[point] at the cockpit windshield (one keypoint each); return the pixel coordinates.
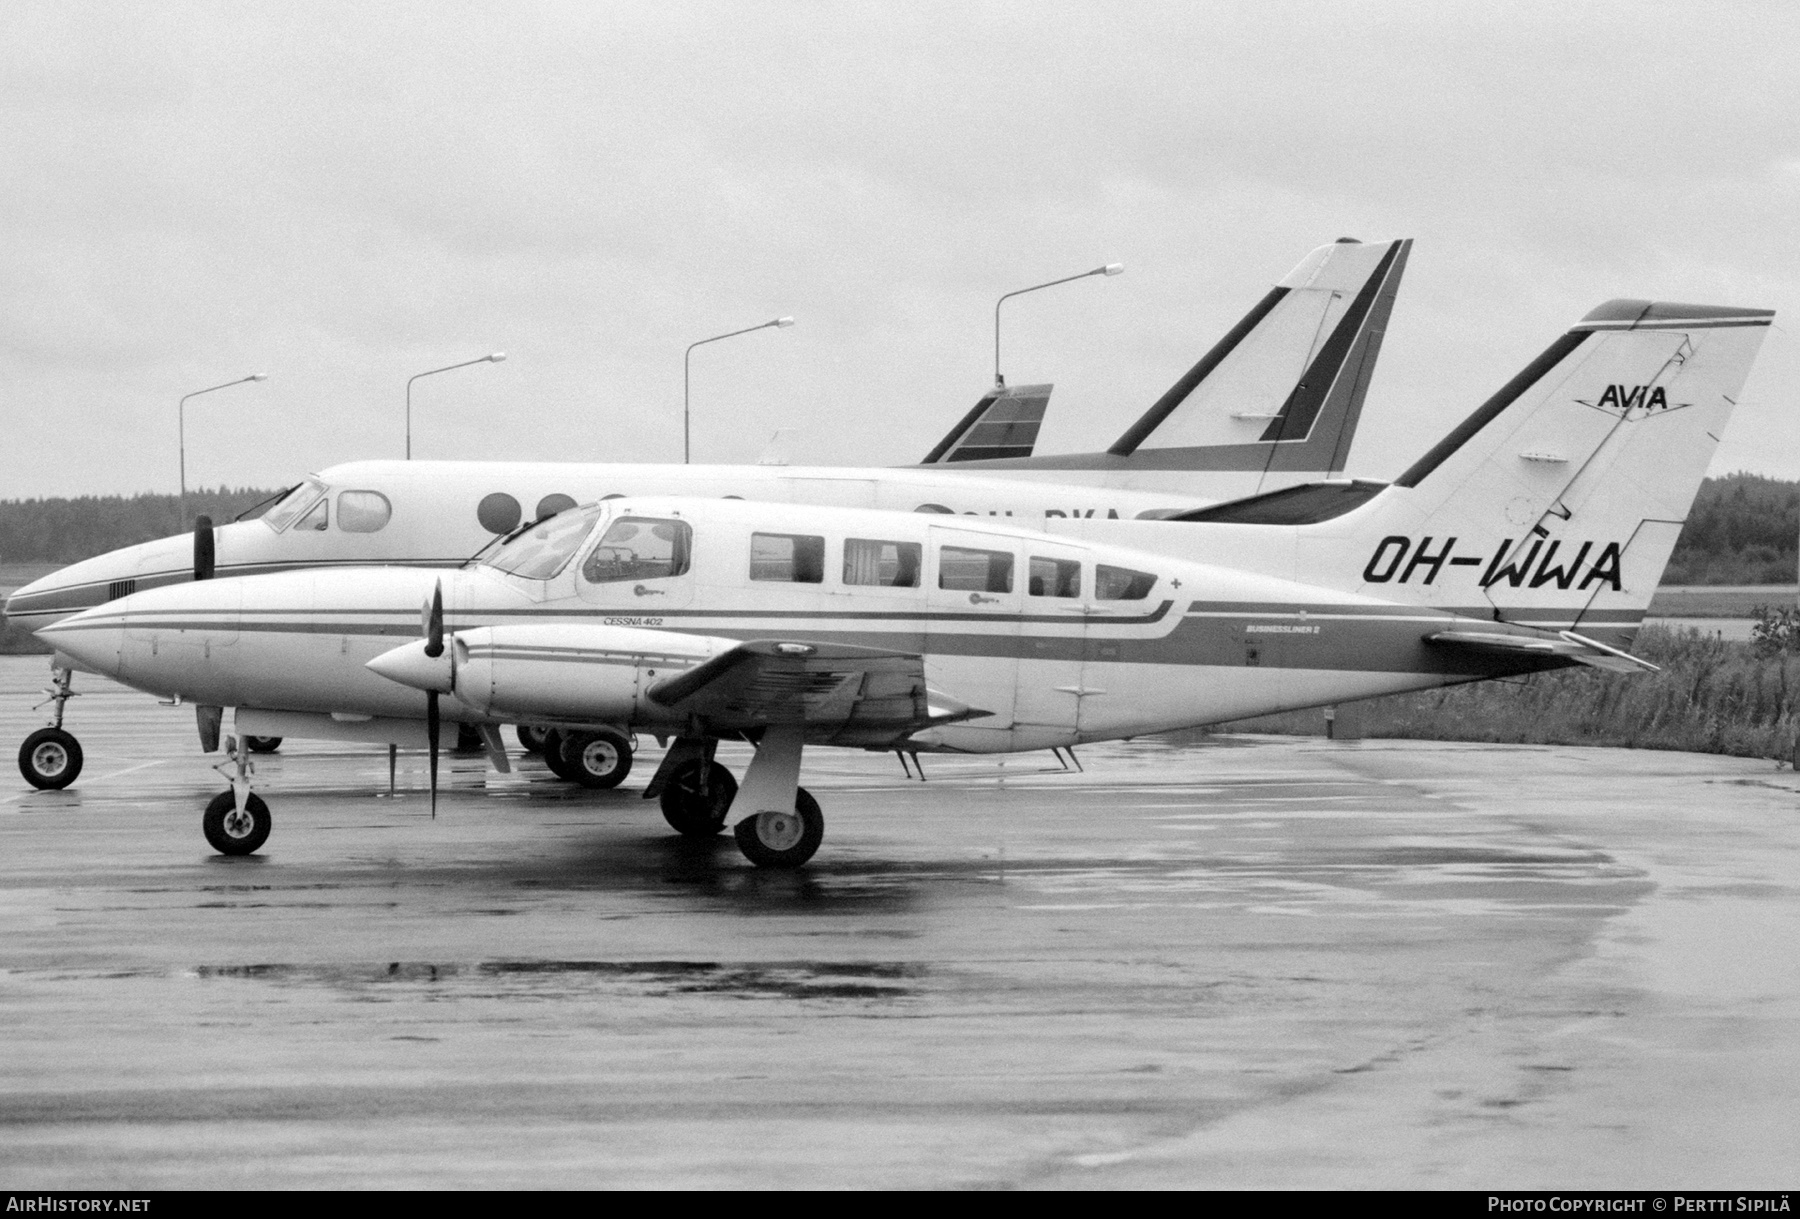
(544, 549)
(293, 504)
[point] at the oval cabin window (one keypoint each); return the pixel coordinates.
(363, 511)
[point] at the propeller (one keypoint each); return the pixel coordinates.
(433, 622)
(204, 561)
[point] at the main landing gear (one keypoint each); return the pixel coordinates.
(599, 758)
(50, 759)
(784, 826)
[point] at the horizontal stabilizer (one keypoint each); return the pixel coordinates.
(1566, 645)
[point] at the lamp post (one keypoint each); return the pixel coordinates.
(494, 358)
(781, 323)
(1111, 268)
(181, 430)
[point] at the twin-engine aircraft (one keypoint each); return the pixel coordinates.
(1276, 400)
(1531, 537)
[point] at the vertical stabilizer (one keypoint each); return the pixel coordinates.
(1557, 503)
(1275, 400)
(1003, 424)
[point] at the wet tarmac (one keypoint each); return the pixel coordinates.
(1213, 962)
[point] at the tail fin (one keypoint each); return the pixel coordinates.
(1003, 424)
(1557, 503)
(1280, 394)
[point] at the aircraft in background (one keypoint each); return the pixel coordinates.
(1295, 370)
(1531, 537)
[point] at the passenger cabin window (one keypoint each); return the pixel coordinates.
(1122, 584)
(293, 504)
(639, 548)
(883, 564)
(363, 511)
(317, 519)
(793, 558)
(976, 571)
(1054, 578)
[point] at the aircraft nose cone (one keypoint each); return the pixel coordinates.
(95, 645)
(408, 665)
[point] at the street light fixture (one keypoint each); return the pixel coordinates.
(1111, 268)
(781, 323)
(495, 358)
(181, 430)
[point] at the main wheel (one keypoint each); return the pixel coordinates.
(50, 759)
(695, 812)
(234, 834)
(263, 744)
(553, 755)
(597, 759)
(469, 740)
(783, 840)
(531, 739)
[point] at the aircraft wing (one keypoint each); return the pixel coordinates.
(854, 694)
(1565, 644)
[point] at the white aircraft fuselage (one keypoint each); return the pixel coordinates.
(1054, 641)
(439, 513)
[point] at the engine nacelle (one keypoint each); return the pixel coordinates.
(569, 672)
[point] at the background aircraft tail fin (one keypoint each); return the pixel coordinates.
(1003, 424)
(1557, 503)
(1278, 397)
(1284, 389)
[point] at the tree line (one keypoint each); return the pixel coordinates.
(1742, 529)
(66, 530)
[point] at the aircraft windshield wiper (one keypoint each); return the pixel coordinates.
(503, 539)
(264, 503)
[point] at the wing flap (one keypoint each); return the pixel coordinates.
(840, 692)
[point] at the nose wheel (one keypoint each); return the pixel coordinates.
(50, 759)
(232, 832)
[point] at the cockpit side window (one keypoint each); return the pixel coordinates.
(316, 519)
(544, 549)
(363, 511)
(293, 504)
(640, 548)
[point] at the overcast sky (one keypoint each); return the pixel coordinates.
(344, 195)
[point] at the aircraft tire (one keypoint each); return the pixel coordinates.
(223, 831)
(532, 739)
(780, 840)
(692, 813)
(553, 755)
(597, 759)
(50, 759)
(263, 744)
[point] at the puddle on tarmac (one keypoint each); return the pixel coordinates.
(541, 979)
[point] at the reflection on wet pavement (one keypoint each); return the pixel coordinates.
(1203, 961)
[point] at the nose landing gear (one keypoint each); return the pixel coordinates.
(50, 759)
(236, 821)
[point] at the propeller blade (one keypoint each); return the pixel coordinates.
(431, 738)
(204, 561)
(434, 622)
